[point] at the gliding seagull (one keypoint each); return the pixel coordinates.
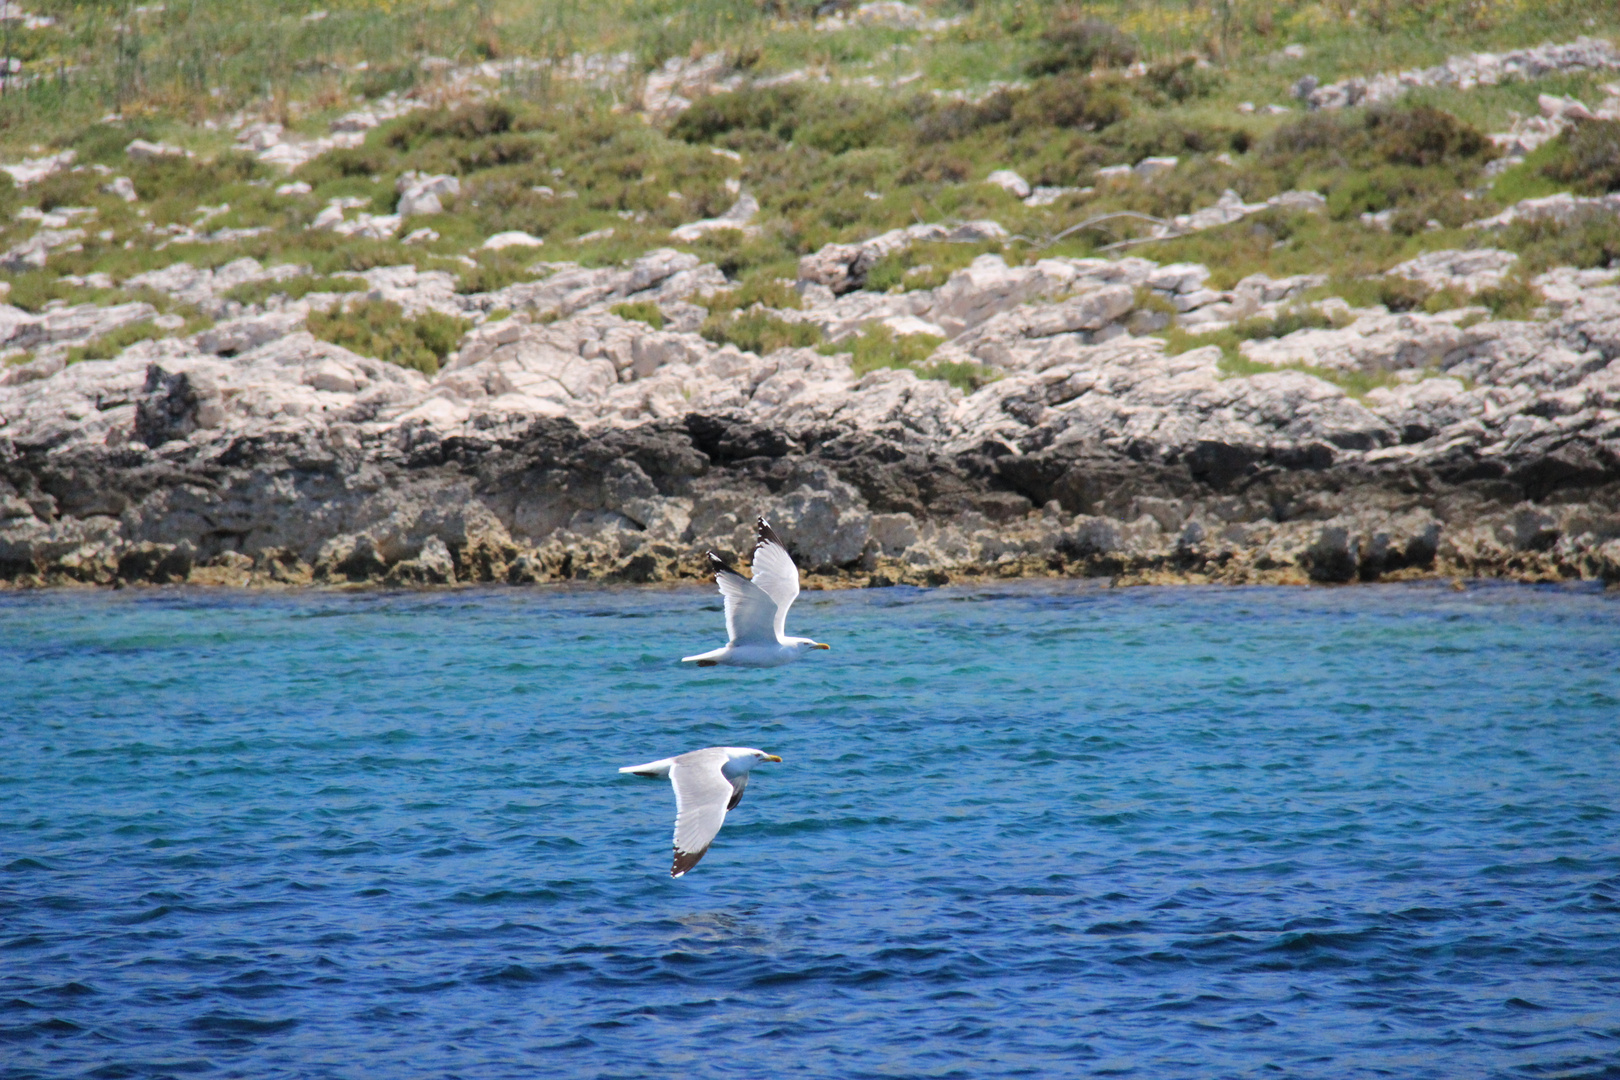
(756, 611)
(708, 783)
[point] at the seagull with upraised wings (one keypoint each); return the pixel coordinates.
(756, 610)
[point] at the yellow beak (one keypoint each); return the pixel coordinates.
(818, 645)
(772, 757)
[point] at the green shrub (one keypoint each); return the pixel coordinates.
(1071, 100)
(1298, 317)
(1515, 298)
(32, 290)
(1590, 239)
(641, 311)
(847, 123)
(495, 270)
(378, 328)
(775, 111)
(770, 291)
(110, 345)
(1589, 157)
(1074, 40)
(464, 124)
(1418, 137)
(65, 188)
(1179, 80)
(346, 162)
(759, 332)
(166, 177)
(878, 347)
(1422, 135)
(380, 79)
(257, 292)
(923, 266)
(950, 121)
(1402, 294)
(1315, 131)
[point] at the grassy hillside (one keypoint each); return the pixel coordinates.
(841, 129)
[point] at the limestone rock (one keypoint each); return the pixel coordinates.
(421, 193)
(738, 217)
(1010, 182)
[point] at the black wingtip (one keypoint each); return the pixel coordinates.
(764, 534)
(684, 861)
(719, 565)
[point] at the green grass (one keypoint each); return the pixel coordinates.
(759, 332)
(644, 311)
(878, 347)
(378, 328)
(1357, 384)
(296, 288)
(833, 161)
(924, 266)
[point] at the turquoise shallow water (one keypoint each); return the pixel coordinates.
(1023, 831)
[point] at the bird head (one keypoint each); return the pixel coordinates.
(747, 757)
(805, 644)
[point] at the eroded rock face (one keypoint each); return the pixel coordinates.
(592, 446)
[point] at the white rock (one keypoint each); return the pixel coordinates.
(512, 239)
(738, 217)
(1467, 271)
(1046, 196)
(972, 232)
(363, 120)
(32, 170)
(1562, 108)
(1009, 181)
(1178, 277)
(142, 150)
(121, 186)
(1148, 168)
(420, 193)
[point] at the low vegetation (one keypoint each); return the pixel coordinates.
(878, 347)
(644, 311)
(379, 328)
(1586, 157)
(296, 288)
(870, 128)
(758, 331)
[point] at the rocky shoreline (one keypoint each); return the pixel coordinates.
(862, 508)
(565, 443)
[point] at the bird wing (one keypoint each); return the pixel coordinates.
(774, 572)
(751, 615)
(702, 797)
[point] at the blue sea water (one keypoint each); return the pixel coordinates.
(1032, 830)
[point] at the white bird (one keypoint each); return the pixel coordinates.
(756, 611)
(708, 783)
